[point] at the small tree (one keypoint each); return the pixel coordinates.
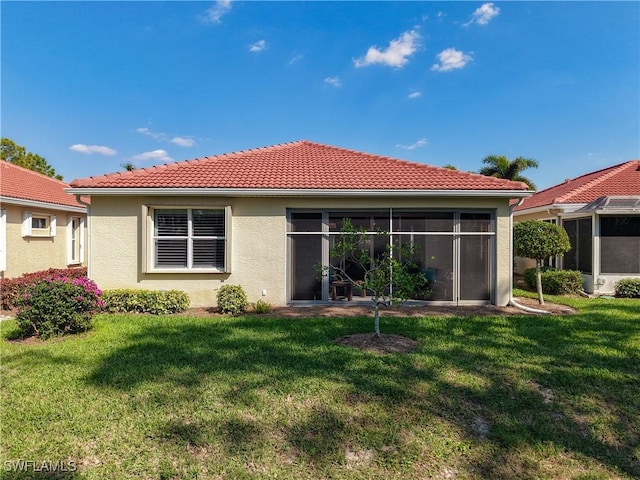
(391, 275)
(538, 240)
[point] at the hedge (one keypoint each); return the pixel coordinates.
(157, 302)
(555, 282)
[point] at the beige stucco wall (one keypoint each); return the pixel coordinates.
(32, 253)
(258, 243)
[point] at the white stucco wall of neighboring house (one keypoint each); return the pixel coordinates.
(25, 253)
(119, 237)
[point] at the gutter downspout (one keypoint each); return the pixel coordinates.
(512, 301)
(88, 207)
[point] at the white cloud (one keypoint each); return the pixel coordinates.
(155, 155)
(258, 46)
(149, 133)
(333, 81)
(395, 55)
(420, 143)
(451, 59)
(483, 14)
(183, 141)
(295, 57)
(214, 14)
(414, 95)
(89, 149)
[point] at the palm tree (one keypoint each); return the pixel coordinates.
(501, 167)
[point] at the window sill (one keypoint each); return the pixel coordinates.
(184, 270)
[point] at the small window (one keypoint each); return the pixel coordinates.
(38, 225)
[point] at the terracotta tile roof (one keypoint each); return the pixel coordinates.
(299, 165)
(23, 184)
(621, 179)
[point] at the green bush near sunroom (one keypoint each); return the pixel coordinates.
(555, 282)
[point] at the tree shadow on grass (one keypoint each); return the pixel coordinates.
(34, 358)
(550, 379)
(40, 475)
(532, 374)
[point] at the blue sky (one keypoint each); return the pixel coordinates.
(93, 85)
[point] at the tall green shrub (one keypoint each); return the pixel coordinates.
(58, 306)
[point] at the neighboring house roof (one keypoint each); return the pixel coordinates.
(296, 167)
(26, 187)
(619, 180)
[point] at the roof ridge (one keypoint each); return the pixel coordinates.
(611, 171)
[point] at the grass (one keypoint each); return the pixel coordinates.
(248, 397)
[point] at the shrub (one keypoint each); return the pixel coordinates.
(145, 301)
(232, 299)
(12, 288)
(262, 307)
(529, 276)
(58, 306)
(628, 288)
(555, 282)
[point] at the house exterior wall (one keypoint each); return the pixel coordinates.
(119, 236)
(597, 283)
(25, 254)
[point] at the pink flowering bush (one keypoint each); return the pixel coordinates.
(58, 306)
(12, 288)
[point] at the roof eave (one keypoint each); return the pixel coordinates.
(280, 192)
(556, 208)
(37, 204)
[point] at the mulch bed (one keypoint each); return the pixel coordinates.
(364, 309)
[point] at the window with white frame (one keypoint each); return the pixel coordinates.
(189, 239)
(75, 240)
(38, 225)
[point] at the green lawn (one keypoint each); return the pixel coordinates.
(250, 397)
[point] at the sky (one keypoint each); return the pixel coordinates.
(91, 86)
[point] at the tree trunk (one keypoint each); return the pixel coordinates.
(376, 319)
(539, 283)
